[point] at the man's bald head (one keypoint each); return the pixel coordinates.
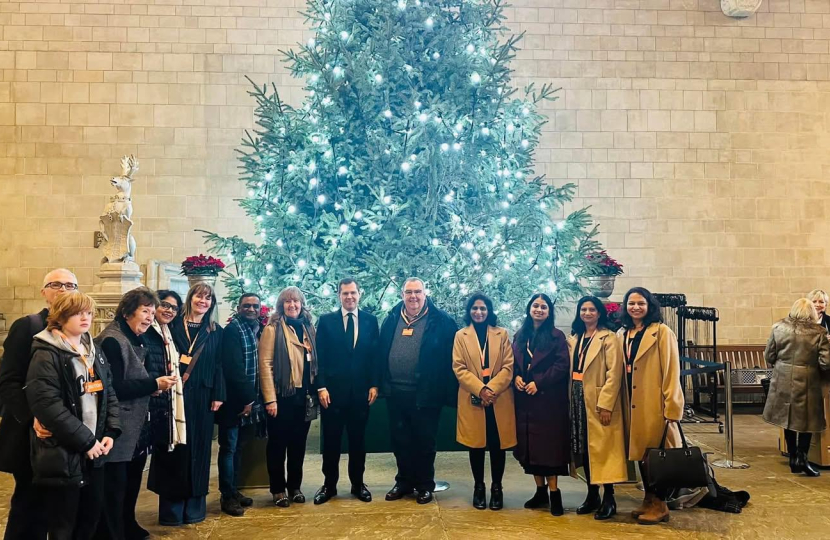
(51, 280)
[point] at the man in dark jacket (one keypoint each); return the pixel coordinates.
(26, 513)
(348, 375)
(416, 342)
(240, 366)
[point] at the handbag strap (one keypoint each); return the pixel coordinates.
(666, 432)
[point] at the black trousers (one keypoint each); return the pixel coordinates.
(352, 417)
(414, 431)
(27, 516)
(797, 441)
(287, 434)
(74, 512)
(660, 493)
(122, 483)
(497, 455)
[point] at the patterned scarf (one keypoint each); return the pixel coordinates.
(249, 348)
(178, 424)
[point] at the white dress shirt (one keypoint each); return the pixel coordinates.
(345, 315)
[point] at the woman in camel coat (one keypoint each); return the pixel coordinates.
(652, 363)
(483, 363)
(599, 406)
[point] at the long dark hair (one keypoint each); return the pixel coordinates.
(492, 318)
(543, 336)
(578, 326)
(652, 316)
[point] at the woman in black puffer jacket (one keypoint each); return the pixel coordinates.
(69, 389)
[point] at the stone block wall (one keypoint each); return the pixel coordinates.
(702, 143)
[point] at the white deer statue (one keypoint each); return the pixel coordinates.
(116, 222)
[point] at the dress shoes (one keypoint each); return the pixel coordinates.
(136, 532)
(424, 497)
(243, 500)
(231, 506)
(362, 493)
(496, 497)
(608, 508)
(296, 496)
(480, 496)
(398, 492)
(805, 466)
(281, 500)
(324, 494)
(592, 501)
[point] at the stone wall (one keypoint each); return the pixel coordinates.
(702, 143)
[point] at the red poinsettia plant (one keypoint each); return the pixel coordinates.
(606, 266)
(614, 310)
(200, 265)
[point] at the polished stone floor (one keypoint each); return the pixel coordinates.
(783, 505)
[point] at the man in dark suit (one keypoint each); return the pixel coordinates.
(27, 518)
(348, 385)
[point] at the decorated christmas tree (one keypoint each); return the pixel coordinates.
(411, 155)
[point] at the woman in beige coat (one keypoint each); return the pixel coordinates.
(598, 416)
(482, 359)
(652, 364)
(798, 351)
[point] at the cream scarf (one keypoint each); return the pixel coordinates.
(179, 428)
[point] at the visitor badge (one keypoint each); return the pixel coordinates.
(184, 359)
(93, 387)
(408, 331)
(628, 368)
(577, 376)
(485, 372)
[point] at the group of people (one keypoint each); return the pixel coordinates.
(82, 415)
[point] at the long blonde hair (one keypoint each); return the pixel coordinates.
(290, 293)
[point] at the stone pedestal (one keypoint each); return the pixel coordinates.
(116, 279)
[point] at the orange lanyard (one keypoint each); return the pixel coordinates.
(529, 355)
(82, 357)
(582, 351)
(485, 371)
(409, 322)
(192, 341)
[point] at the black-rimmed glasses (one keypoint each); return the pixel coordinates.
(57, 285)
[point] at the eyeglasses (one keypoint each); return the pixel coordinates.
(169, 307)
(250, 306)
(410, 292)
(57, 285)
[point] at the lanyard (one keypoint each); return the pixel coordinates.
(485, 371)
(82, 357)
(628, 345)
(409, 322)
(529, 355)
(583, 350)
(192, 341)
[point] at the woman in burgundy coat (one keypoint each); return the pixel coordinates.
(542, 373)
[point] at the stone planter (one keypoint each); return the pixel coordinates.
(601, 286)
(209, 279)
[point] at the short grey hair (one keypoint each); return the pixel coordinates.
(815, 294)
(409, 280)
(803, 309)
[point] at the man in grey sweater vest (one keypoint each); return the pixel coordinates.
(416, 342)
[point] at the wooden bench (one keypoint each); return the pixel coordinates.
(742, 357)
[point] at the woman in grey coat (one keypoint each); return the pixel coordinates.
(799, 352)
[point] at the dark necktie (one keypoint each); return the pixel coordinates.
(350, 331)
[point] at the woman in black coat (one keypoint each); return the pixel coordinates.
(542, 376)
(69, 389)
(181, 477)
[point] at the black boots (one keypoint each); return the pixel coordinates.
(540, 499)
(592, 501)
(609, 505)
(795, 468)
(805, 466)
(556, 508)
(496, 496)
(480, 496)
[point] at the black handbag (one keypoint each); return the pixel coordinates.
(669, 468)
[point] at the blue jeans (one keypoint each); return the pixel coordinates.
(228, 463)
